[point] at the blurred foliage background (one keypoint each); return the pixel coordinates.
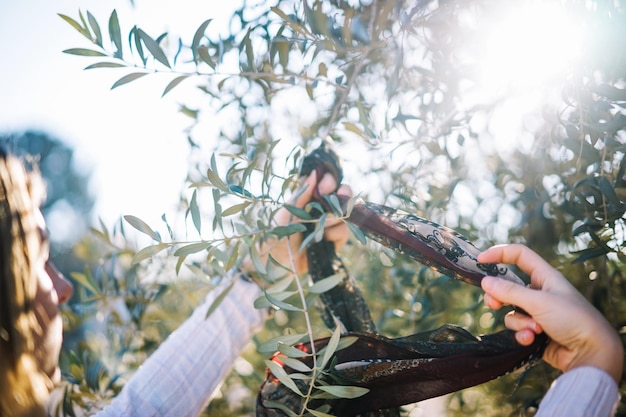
(526, 147)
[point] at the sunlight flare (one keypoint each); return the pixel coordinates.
(530, 46)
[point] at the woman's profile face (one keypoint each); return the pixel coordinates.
(52, 289)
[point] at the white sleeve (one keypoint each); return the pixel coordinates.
(581, 392)
(179, 377)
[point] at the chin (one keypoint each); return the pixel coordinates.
(51, 350)
(55, 378)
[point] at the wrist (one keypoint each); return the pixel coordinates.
(606, 354)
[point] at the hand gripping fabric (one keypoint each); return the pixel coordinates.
(403, 370)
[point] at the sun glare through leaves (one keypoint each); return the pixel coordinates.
(530, 46)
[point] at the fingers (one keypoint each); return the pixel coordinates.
(501, 291)
(492, 302)
(542, 274)
(335, 229)
(525, 337)
(306, 190)
(338, 234)
(327, 185)
(520, 255)
(345, 190)
(525, 327)
(517, 321)
(305, 193)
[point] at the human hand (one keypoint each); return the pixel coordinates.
(335, 230)
(579, 334)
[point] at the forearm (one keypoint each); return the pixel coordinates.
(581, 392)
(178, 379)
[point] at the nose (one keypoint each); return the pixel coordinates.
(62, 286)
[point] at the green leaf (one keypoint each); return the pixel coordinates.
(350, 205)
(238, 189)
(292, 24)
(192, 248)
(96, 28)
(282, 231)
(327, 283)
(247, 47)
(134, 34)
(214, 164)
(282, 376)
(280, 285)
(103, 235)
(282, 45)
(174, 83)
(235, 209)
(83, 52)
(385, 260)
(319, 413)
(281, 13)
(323, 69)
(153, 47)
(271, 346)
(354, 129)
(281, 304)
(346, 341)
(298, 212)
(263, 302)
(611, 92)
(307, 241)
(218, 300)
(86, 280)
(335, 204)
(259, 267)
(82, 30)
(197, 271)
(105, 65)
(195, 212)
(148, 252)
(292, 352)
(280, 406)
(188, 111)
(585, 255)
(203, 53)
(317, 20)
(296, 364)
(216, 180)
(320, 228)
(179, 263)
(331, 347)
(341, 391)
(309, 91)
(197, 37)
(128, 78)
(115, 34)
(233, 256)
(217, 216)
(607, 190)
(358, 233)
(143, 227)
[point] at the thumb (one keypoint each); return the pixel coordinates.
(305, 192)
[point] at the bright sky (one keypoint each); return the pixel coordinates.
(130, 138)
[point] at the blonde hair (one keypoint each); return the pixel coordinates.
(25, 388)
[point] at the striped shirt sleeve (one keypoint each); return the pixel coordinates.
(581, 392)
(179, 377)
